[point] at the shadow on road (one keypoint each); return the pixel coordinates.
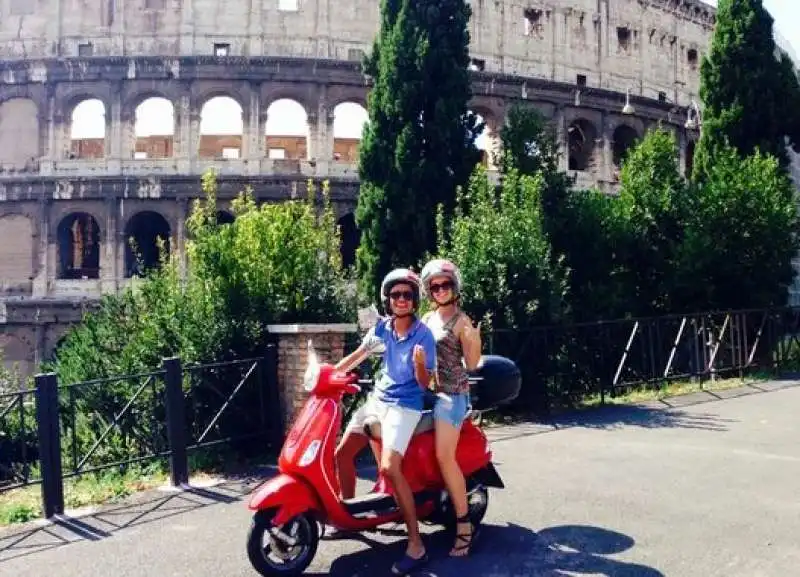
(612, 417)
(142, 509)
(667, 413)
(506, 551)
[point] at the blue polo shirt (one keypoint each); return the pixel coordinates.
(396, 382)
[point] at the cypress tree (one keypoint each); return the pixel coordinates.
(749, 95)
(418, 147)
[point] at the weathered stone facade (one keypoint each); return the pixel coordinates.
(573, 59)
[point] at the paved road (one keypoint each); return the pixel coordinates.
(701, 489)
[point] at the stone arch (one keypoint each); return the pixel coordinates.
(78, 247)
(221, 127)
(623, 139)
(154, 128)
(16, 251)
(486, 141)
(19, 132)
(581, 138)
(88, 129)
(349, 120)
(224, 217)
(690, 147)
(286, 130)
(16, 353)
(350, 237)
(345, 95)
(144, 232)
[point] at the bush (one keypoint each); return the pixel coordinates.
(741, 233)
(499, 243)
(651, 215)
(276, 263)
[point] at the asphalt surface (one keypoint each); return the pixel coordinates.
(701, 489)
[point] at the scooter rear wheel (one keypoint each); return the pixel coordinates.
(284, 551)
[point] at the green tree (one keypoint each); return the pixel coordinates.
(651, 211)
(741, 235)
(499, 242)
(419, 144)
(582, 226)
(749, 95)
(530, 146)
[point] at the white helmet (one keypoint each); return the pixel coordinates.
(400, 275)
(441, 267)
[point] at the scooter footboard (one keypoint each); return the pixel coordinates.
(488, 476)
(288, 495)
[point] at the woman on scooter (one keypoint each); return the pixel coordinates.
(456, 338)
(409, 360)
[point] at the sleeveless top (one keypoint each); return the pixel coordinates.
(451, 375)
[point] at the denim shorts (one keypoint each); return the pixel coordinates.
(452, 408)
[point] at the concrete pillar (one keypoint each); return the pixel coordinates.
(187, 28)
(329, 344)
(255, 32)
(607, 152)
(109, 265)
(182, 140)
(254, 130)
(50, 135)
(44, 271)
(561, 138)
(193, 139)
(114, 132)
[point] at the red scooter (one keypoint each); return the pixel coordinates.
(284, 533)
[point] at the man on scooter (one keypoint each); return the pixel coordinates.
(409, 359)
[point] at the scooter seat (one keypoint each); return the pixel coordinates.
(372, 427)
(426, 423)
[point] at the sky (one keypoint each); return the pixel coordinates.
(287, 118)
(786, 14)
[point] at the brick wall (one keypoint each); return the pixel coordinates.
(329, 344)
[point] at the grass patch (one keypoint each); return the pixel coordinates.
(671, 389)
(25, 504)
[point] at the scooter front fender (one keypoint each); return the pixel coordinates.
(289, 495)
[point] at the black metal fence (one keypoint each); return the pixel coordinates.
(64, 431)
(54, 431)
(563, 365)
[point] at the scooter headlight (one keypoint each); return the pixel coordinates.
(313, 369)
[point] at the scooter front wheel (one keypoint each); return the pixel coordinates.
(285, 550)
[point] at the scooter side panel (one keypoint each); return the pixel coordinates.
(287, 494)
(472, 452)
(421, 467)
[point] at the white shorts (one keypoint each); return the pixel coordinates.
(397, 423)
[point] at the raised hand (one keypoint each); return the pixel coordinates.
(419, 355)
(470, 333)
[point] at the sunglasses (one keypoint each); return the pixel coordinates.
(405, 295)
(444, 286)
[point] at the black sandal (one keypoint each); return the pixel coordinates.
(467, 541)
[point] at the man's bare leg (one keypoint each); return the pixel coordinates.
(346, 453)
(391, 463)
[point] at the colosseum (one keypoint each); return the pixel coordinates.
(110, 111)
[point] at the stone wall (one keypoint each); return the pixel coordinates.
(330, 345)
(645, 45)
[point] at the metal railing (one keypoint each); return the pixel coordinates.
(564, 364)
(86, 427)
(174, 410)
(19, 445)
